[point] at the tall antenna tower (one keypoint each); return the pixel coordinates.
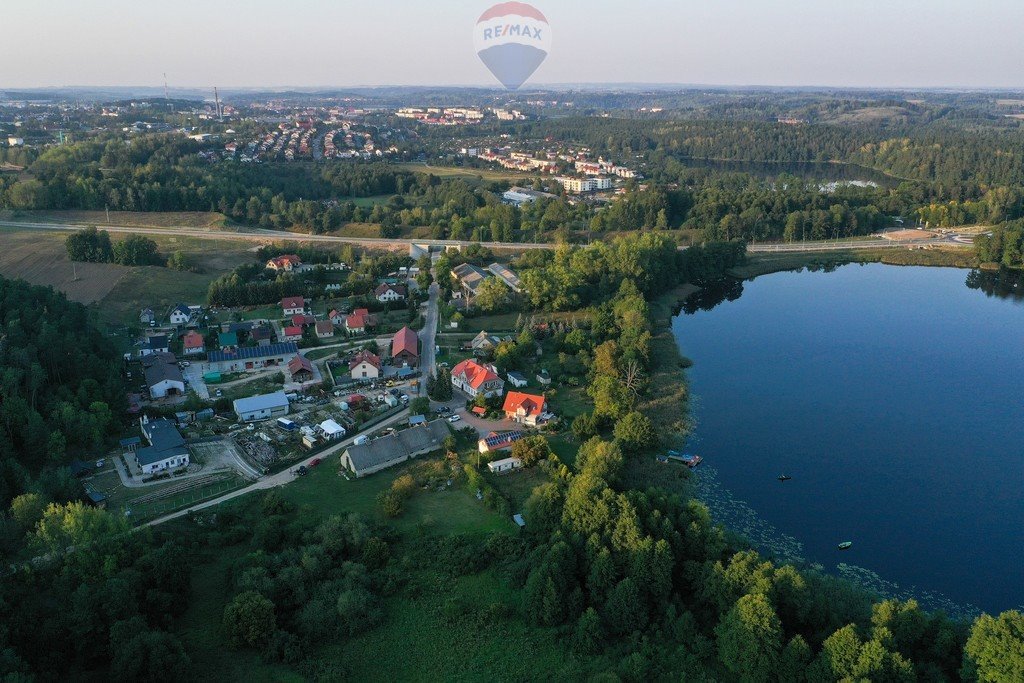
(165, 86)
(216, 100)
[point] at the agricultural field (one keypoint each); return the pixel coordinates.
(130, 219)
(40, 258)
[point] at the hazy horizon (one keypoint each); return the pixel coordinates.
(915, 44)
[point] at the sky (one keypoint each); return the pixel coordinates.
(322, 43)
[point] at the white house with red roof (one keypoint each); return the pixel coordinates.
(284, 263)
(475, 379)
(527, 409)
(365, 365)
(358, 321)
(291, 333)
(293, 305)
(387, 292)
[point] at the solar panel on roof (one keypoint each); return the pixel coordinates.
(507, 437)
(250, 352)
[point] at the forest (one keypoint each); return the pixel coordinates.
(61, 393)
(945, 171)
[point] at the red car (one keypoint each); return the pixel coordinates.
(314, 462)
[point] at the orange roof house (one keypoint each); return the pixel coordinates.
(285, 262)
(527, 409)
(475, 379)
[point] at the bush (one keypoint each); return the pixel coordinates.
(249, 619)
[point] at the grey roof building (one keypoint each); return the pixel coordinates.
(390, 450)
(261, 407)
(166, 447)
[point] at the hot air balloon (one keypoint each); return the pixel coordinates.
(512, 39)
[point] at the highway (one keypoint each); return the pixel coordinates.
(264, 236)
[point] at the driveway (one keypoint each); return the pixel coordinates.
(282, 478)
(482, 426)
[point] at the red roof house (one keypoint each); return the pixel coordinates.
(291, 333)
(300, 369)
(405, 347)
(285, 262)
(475, 379)
(528, 409)
(292, 305)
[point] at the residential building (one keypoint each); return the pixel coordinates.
(155, 344)
(475, 379)
(359, 320)
(365, 365)
(507, 276)
(498, 441)
(146, 316)
(386, 293)
(163, 376)
(263, 335)
(292, 305)
(291, 334)
(405, 348)
(584, 185)
(302, 320)
(337, 318)
(324, 329)
(262, 407)
(166, 449)
(484, 342)
(252, 358)
(193, 343)
(470, 278)
(180, 315)
(395, 448)
(505, 465)
(284, 263)
(300, 369)
(227, 340)
(516, 379)
(527, 409)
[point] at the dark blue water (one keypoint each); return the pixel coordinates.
(893, 397)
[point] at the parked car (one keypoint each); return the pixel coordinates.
(302, 471)
(314, 462)
(455, 418)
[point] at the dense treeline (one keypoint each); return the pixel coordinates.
(60, 390)
(166, 173)
(102, 599)
(94, 246)
(1004, 245)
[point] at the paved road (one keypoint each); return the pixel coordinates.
(281, 478)
(261, 235)
(428, 337)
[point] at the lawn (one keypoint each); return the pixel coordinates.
(369, 202)
(456, 172)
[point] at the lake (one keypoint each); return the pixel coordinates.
(892, 396)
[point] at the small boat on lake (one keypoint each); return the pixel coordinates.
(690, 461)
(784, 477)
(845, 545)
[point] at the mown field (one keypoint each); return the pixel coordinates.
(41, 259)
(131, 219)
